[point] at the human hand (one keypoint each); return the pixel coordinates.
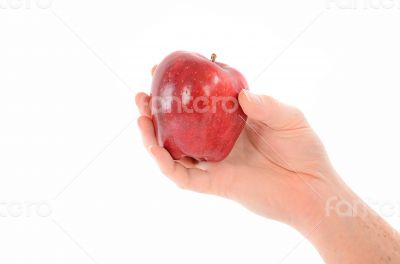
(278, 167)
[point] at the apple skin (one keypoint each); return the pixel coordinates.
(195, 108)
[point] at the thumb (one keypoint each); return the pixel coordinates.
(271, 112)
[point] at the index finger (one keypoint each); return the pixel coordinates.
(153, 69)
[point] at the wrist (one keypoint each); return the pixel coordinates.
(346, 230)
(332, 201)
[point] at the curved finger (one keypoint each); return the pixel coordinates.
(187, 162)
(190, 178)
(186, 178)
(153, 69)
(142, 101)
(147, 130)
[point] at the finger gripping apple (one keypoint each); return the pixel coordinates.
(195, 108)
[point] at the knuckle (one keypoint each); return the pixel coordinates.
(299, 113)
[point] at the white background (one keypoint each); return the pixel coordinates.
(76, 185)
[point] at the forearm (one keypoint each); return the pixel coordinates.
(351, 232)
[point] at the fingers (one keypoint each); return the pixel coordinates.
(188, 162)
(187, 178)
(153, 69)
(143, 100)
(271, 112)
(143, 103)
(147, 130)
(183, 172)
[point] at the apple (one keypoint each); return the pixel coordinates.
(195, 108)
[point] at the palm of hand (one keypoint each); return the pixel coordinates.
(272, 172)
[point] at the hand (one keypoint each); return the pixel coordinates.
(278, 167)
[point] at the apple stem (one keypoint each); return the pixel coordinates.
(213, 57)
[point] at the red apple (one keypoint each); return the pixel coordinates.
(194, 105)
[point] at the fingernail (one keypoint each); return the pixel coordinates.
(202, 165)
(253, 98)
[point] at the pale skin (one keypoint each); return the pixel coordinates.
(279, 169)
